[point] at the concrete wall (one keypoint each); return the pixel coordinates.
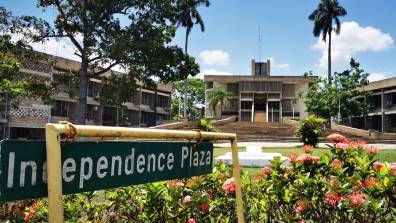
(363, 133)
(300, 105)
(289, 121)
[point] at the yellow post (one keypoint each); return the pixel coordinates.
(54, 166)
(237, 176)
(54, 175)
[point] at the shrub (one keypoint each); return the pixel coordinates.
(347, 185)
(207, 125)
(309, 129)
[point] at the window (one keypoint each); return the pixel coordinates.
(246, 105)
(60, 109)
(260, 68)
(209, 85)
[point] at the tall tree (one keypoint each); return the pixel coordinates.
(188, 16)
(13, 88)
(323, 17)
(219, 97)
(133, 35)
(195, 96)
(346, 94)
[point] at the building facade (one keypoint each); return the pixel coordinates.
(382, 101)
(146, 107)
(259, 97)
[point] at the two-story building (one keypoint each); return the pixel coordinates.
(260, 97)
(146, 107)
(382, 101)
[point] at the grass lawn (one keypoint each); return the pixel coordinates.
(388, 155)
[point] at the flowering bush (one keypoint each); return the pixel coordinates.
(347, 185)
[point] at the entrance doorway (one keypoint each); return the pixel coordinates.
(274, 111)
(260, 108)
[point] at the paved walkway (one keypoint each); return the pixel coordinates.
(291, 144)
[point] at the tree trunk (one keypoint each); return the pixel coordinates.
(329, 60)
(118, 116)
(185, 80)
(83, 88)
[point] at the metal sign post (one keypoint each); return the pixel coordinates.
(54, 132)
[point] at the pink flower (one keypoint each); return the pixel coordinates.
(370, 182)
(186, 199)
(204, 208)
(292, 157)
(332, 198)
(378, 165)
(307, 148)
(336, 164)
(229, 185)
(337, 138)
(191, 220)
(372, 150)
(356, 199)
(357, 144)
(300, 221)
(267, 170)
(392, 167)
(342, 146)
(302, 205)
(304, 158)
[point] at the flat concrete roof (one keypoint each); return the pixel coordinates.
(385, 83)
(238, 78)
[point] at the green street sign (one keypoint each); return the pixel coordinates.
(88, 166)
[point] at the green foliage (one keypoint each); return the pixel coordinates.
(13, 88)
(346, 185)
(195, 96)
(347, 90)
(309, 129)
(207, 125)
(328, 11)
(219, 97)
(140, 44)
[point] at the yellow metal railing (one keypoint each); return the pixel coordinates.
(55, 131)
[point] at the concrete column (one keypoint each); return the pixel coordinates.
(140, 102)
(382, 111)
(253, 67)
(266, 108)
(280, 108)
(252, 115)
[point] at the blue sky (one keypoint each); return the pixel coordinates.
(231, 37)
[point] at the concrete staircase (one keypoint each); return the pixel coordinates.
(248, 131)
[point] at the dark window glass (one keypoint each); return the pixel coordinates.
(60, 109)
(246, 105)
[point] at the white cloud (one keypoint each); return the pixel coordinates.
(211, 72)
(61, 47)
(352, 40)
(281, 66)
(214, 57)
(377, 76)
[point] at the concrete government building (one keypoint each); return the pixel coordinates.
(146, 107)
(259, 97)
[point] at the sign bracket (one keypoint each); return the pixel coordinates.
(54, 132)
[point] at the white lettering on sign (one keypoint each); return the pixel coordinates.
(113, 160)
(101, 165)
(11, 165)
(69, 166)
(130, 159)
(83, 175)
(89, 168)
(33, 167)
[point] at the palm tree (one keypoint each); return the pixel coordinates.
(219, 97)
(323, 17)
(188, 16)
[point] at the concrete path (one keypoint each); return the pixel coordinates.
(291, 144)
